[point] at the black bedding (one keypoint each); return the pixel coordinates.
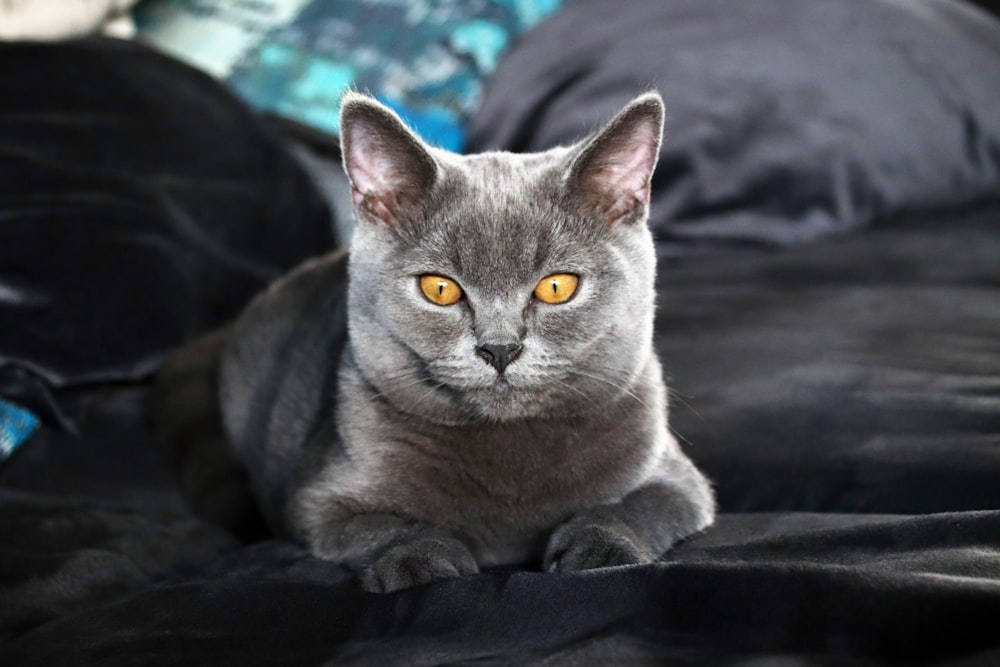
(860, 523)
(843, 395)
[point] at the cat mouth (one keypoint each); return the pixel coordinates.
(502, 385)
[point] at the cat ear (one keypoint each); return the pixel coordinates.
(389, 167)
(611, 170)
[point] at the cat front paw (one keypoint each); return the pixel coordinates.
(418, 562)
(586, 546)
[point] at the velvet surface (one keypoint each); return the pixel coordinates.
(786, 121)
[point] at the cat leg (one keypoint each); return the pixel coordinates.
(637, 529)
(391, 552)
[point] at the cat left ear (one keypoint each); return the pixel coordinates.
(611, 171)
(390, 169)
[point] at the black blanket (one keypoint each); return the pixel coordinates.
(843, 396)
(886, 420)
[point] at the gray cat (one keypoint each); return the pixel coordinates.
(487, 393)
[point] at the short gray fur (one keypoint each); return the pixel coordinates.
(392, 446)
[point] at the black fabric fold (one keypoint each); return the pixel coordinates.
(140, 203)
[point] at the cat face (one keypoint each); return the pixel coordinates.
(500, 287)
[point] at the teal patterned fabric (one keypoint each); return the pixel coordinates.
(426, 59)
(16, 426)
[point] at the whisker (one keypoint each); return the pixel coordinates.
(465, 418)
(628, 392)
(406, 372)
(671, 392)
(419, 380)
(429, 392)
(679, 436)
(574, 389)
(680, 399)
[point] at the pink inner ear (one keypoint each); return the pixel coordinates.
(627, 169)
(615, 176)
(375, 179)
(370, 170)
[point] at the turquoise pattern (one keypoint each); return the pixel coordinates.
(426, 59)
(16, 426)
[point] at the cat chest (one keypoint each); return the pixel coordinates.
(504, 492)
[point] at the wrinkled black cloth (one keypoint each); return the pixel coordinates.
(846, 392)
(882, 351)
(844, 397)
(787, 120)
(140, 202)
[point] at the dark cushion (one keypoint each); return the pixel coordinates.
(785, 120)
(140, 203)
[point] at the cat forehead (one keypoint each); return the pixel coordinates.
(503, 174)
(503, 213)
(500, 193)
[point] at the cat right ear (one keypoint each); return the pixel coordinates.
(389, 167)
(610, 174)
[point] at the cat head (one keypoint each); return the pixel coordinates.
(500, 286)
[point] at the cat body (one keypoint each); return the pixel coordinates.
(475, 384)
(502, 487)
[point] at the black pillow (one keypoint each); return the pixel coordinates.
(140, 203)
(786, 119)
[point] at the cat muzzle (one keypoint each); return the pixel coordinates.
(499, 356)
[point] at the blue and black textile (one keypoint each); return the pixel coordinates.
(16, 426)
(427, 60)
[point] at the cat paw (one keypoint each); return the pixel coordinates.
(575, 547)
(418, 562)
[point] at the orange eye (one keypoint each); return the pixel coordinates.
(557, 288)
(442, 291)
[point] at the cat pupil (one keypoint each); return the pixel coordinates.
(440, 289)
(555, 286)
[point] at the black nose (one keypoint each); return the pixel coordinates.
(499, 356)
